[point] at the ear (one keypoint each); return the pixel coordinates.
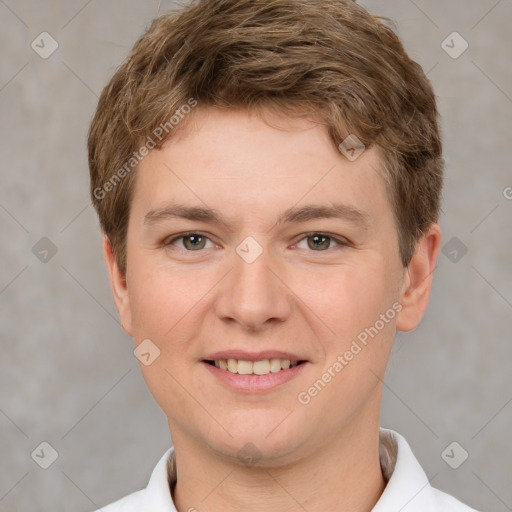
(118, 285)
(415, 292)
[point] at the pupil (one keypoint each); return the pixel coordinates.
(319, 241)
(324, 244)
(194, 241)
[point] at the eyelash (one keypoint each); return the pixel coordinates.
(341, 241)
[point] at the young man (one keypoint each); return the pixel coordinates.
(267, 176)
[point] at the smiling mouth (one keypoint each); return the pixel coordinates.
(262, 367)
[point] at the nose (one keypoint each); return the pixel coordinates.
(254, 295)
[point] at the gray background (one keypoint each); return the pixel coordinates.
(67, 371)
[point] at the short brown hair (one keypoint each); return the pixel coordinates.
(328, 59)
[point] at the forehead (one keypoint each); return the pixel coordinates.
(240, 163)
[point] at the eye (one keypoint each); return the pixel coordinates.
(321, 242)
(194, 241)
(190, 241)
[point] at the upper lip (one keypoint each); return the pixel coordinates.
(242, 355)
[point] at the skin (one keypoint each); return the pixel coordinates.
(309, 301)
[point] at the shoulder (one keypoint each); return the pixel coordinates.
(408, 489)
(131, 503)
(156, 497)
(443, 501)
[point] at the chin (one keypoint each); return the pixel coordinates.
(256, 437)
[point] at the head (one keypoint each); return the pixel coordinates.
(236, 120)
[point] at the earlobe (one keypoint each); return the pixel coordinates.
(417, 284)
(118, 286)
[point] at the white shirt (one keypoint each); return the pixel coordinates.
(407, 488)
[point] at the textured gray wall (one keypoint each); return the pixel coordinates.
(67, 372)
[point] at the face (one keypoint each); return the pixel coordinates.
(256, 247)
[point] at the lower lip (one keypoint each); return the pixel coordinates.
(255, 383)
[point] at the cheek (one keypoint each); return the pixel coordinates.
(165, 299)
(158, 298)
(350, 301)
(163, 303)
(348, 298)
(151, 305)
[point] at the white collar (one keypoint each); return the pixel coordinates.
(408, 488)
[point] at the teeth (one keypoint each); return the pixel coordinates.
(263, 367)
(259, 367)
(275, 365)
(245, 367)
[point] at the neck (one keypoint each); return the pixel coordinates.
(343, 472)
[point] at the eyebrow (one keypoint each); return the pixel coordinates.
(292, 215)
